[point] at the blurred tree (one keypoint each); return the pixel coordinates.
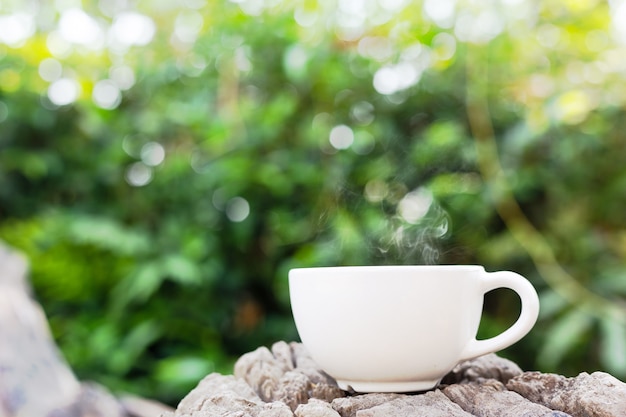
(164, 165)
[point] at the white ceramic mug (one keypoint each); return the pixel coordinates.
(400, 328)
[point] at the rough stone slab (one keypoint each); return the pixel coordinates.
(595, 395)
(261, 371)
(485, 367)
(286, 373)
(284, 381)
(430, 404)
(316, 408)
(348, 406)
(214, 384)
(224, 409)
(284, 355)
(276, 409)
(136, 406)
(492, 399)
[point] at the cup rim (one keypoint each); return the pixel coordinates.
(443, 267)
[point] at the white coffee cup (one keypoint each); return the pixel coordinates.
(400, 328)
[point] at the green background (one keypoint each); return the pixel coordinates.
(162, 183)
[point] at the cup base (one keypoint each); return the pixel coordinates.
(371, 386)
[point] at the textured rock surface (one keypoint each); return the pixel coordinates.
(34, 379)
(595, 395)
(285, 382)
(431, 404)
(483, 368)
(491, 398)
(287, 374)
(350, 406)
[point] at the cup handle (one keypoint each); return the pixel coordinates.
(525, 322)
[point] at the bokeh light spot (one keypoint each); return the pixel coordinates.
(50, 69)
(376, 191)
(415, 204)
(341, 137)
(376, 47)
(362, 112)
(152, 154)
(106, 94)
(132, 28)
(391, 79)
(58, 45)
(138, 174)
(188, 25)
(16, 28)
(305, 18)
(78, 27)
(573, 106)
(441, 12)
(237, 209)
(63, 91)
(123, 76)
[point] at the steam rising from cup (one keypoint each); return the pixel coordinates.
(415, 231)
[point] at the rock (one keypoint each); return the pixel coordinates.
(261, 371)
(595, 395)
(142, 407)
(293, 389)
(485, 367)
(93, 401)
(430, 404)
(34, 378)
(284, 381)
(226, 395)
(287, 374)
(214, 384)
(316, 408)
(284, 355)
(348, 406)
(276, 409)
(491, 398)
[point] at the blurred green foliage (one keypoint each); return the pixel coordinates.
(164, 164)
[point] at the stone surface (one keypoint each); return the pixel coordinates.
(595, 395)
(224, 386)
(92, 401)
(287, 374)
(349, 406)
(34, 378)
(316, 408)
(284, 381)
(492, 399)
(226, 395)
(431, 404)
(486, 367)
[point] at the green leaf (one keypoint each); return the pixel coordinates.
(183, 370)
(139, 285)
(181, 269)
(133, 346)
(107, 234)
